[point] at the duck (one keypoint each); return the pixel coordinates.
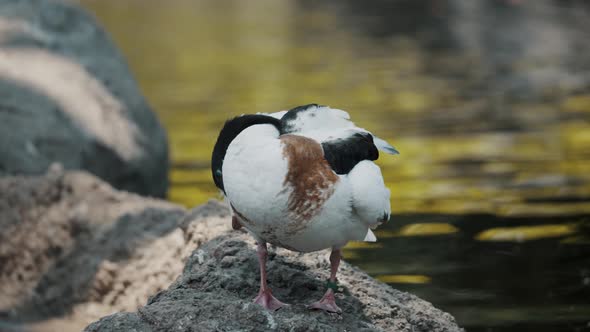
(303, 179)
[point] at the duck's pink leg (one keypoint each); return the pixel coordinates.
(265, 297)
(328, 302)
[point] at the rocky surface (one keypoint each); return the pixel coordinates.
(215, 293)
(67, 96)
(73, 249)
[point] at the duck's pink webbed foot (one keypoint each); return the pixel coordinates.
(268, 301)
(327, 303)
(265, 297)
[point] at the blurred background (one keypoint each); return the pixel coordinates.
(488, 102)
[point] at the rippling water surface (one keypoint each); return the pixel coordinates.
(488, 102)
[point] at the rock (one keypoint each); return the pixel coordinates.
(215, 293)
(67, 96)
(73, 249)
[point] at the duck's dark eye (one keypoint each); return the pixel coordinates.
(218, 172)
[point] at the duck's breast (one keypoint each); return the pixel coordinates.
(334, 226)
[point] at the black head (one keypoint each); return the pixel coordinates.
(230, 130)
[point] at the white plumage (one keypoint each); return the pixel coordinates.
(255, 188)
(280, 180)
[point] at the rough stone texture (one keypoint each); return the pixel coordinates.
(67, 96)
(73, 250)
(220, 279)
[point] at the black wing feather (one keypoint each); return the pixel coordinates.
(231, 129)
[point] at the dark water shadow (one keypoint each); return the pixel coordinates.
(502, 285)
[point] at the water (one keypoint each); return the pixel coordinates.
(488, 102)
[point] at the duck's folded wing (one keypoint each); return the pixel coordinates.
(370, 197)
(312, 117)
(324, 124)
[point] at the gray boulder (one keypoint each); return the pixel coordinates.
(215, 293)
(73, 250)
(67, 96)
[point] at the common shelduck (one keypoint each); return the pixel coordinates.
(304, 180)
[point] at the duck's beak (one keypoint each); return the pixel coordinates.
(382, 145)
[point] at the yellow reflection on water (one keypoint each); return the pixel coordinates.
(363, 245)
(200, 176)
(404, 279)
(463, 150)
(580, 103)
(525, 233)
(187, 195)
(201, 62)
(419, 229)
